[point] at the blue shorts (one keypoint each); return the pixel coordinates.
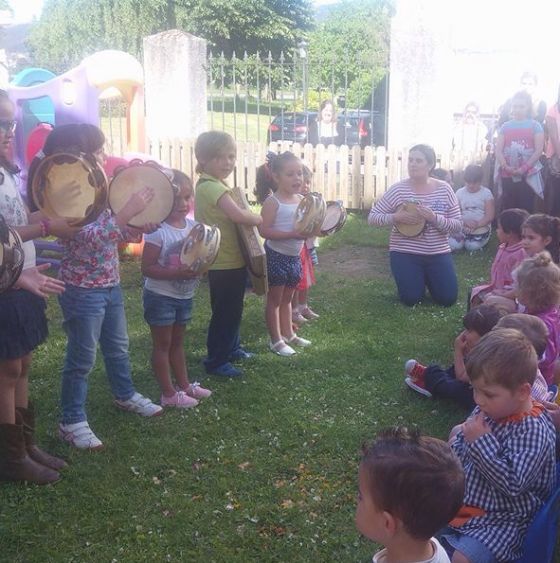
(474, 550)
(283, 269)
(160, 310)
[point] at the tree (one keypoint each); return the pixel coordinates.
(71, 29)
(349, 51)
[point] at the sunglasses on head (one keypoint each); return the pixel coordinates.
(8, 125)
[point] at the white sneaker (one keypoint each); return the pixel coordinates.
(80, 435)
(140, 405)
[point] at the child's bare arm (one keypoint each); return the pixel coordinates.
(459, 358)
(236, 214)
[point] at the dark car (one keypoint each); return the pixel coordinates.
(354, 126)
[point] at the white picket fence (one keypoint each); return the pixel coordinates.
(355, 176)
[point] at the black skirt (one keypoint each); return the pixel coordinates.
(23, 323)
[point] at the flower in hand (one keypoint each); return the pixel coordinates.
(475, 427)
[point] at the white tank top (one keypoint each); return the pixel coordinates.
(285, 219)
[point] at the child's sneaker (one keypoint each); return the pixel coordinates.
(309, 314)
(298, 318)
(180, 400)
(80, 436)
(415, 377)
(195, 390)
(140, 405)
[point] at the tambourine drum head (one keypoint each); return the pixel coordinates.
(200, 248)
(67, 186)
(310, 214)
(410, 230)
(11, 259)
(335, 217)
(132, 180)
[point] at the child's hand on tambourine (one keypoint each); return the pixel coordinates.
(138, 201)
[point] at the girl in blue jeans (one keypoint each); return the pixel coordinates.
(92, 304)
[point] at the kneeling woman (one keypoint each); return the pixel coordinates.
(425, 259)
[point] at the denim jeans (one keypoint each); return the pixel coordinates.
(442, 383)
(413, 272)
(93, 316)
(227, 292)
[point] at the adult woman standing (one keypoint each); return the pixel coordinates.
(423, 260)
(518, 150)
(552, 185)
(326, 130)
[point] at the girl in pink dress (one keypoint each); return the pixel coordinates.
(510, 254)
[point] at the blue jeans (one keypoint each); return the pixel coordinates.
(414, 272)
(93, 316)
(227, 293)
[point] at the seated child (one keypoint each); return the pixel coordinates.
(539, 292)
(507, 448)
(510, 254)
(453, 382)
(410, 486)
(477, 209)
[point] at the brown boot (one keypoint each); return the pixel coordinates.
(27, 417)
(15, 464)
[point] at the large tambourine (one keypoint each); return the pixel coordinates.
(135, 177)
(335, 218)
(70, 186)
(411, 230)
(200, 248)
(310, 215)
(251, 247)
(11, 256)
(480, 231)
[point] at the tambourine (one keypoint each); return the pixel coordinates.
(335, 217)
(135, 177)
(480, 231)
(310, 214)
(200, 248)
(415, 229)
(70, 186)
(11, 256)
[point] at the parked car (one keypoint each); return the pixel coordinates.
(355, 125)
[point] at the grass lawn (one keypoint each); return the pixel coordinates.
(265, 469)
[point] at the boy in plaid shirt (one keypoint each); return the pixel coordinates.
(507, 448)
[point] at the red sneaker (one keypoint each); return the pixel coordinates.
(415, 377)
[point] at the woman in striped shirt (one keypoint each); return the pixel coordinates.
(423, 260)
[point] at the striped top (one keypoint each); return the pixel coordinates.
(434, 238)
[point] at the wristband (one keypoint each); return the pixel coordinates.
(45, 230)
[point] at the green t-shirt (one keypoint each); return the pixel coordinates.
(208, 191)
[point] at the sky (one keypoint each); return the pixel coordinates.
(25, 10)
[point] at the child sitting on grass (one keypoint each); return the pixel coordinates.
(507, 450)
(510, 254)
(410, 486)
(453, 383)
(539, 292)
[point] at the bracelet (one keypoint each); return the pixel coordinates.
(45, 230)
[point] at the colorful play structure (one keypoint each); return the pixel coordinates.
(43, 100)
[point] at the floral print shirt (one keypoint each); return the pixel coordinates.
(91, 256)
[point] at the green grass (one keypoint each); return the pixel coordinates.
(265, 469)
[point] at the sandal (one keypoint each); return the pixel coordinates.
(308, 314)
(281, 348)
(296, 340)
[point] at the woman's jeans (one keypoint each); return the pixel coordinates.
(93, 316)
(414, 272)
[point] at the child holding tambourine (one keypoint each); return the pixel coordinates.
(168, 300)
(93, 303)
(283, 248)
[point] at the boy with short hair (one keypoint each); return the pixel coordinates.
(453, 383)
(410, 486)
(507, 450)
